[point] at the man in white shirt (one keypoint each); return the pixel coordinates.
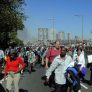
(60, 64)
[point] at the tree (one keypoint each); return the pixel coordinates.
(14, 39)
(11, 18)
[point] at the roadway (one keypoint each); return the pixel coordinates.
(33, 83)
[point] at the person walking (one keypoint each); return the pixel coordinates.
(80, 66)
(31, 61)
(52, 53)
(59, 66)
(14, 65)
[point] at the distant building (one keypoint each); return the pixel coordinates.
(43, 34)
(61, 36)
(69, 37)
(76, 38)
(52, 35)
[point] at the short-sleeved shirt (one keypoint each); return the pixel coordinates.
(52, 53)
(14, 64)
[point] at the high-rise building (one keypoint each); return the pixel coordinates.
(69, 38)
(52, 35)
(43, 34)
(61, 36)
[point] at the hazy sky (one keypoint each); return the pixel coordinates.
(40, 11)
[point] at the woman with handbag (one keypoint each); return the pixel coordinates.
(14, 65)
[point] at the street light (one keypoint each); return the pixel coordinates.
(81, 16)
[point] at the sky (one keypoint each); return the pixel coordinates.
(39, 12)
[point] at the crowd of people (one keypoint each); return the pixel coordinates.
(65, 68)
(65, 65)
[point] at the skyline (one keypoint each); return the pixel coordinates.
(40, 11)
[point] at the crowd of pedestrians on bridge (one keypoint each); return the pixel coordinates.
(65, 65)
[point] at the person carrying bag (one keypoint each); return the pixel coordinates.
(59, 65)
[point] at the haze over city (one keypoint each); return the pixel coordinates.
(39, 13)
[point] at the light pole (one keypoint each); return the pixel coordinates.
(53, 20)
(82, 18)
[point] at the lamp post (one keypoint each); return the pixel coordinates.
(82, 18)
